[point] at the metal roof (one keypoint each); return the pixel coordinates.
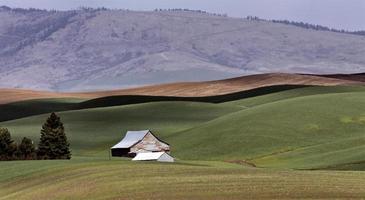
(130, 139)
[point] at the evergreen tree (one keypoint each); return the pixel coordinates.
(53, 143)
(26, 149)
(7, 145)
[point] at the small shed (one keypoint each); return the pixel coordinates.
(154, 156)
(135, 142)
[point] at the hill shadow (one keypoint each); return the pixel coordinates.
(28, 108)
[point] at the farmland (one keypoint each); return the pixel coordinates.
(318, 128)
(193, 89)
(83, 178)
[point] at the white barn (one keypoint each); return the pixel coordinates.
(135, 142)
(154, 156)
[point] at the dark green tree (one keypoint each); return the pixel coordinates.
(26, 149)
(53, 143)
(7, 145)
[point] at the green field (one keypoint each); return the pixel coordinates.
(316, 131)
(93, 131)
(318, 128)
(92, 179)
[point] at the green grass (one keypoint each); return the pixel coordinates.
(93, 131)
(307, 132)
(294, 93)
(306, 128)
(310, 128)
(93, 179)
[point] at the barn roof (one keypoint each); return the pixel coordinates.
(130, 139)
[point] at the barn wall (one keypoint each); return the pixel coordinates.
(150, 143)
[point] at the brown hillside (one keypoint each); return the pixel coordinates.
(190, 89)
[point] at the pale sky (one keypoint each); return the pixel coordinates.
(340, 14)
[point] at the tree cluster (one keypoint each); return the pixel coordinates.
(10, 150)
(189, 10)
(308, 26)
(53, 143)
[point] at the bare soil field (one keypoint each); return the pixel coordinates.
(194, 89)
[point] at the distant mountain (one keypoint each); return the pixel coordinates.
(96, 49)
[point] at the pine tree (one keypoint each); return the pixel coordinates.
(26, 149)
(7, 145)
(53, 143)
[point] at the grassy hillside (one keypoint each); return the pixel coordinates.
(306, 132)
(294, 93)
(307, 129)
(93, 131)
(93, 179)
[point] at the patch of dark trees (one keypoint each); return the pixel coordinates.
(253, 18)
(37, 10)
(91, 9)
(190, 10)
(308, 26)
(53, 143)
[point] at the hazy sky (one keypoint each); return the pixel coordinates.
(346, 14)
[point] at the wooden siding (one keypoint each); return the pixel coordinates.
(150, 144)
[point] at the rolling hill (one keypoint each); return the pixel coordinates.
(94, 130)
(316, 131)
(216, 146)
(304, 129)
(192, 89)
(98, 49)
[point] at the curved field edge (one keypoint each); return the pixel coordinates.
(28, 108)
(22, 109)
(248, 98)
(294, 93)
